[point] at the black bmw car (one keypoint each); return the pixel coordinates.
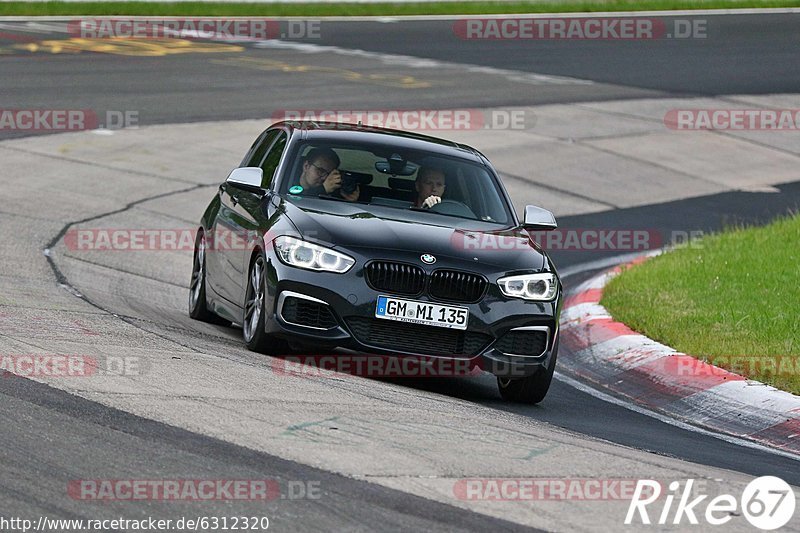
(385, 242)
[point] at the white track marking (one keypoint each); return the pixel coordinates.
(574, 383)
(421, 62)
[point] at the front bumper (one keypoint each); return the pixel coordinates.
(352, 302)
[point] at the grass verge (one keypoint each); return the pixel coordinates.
(732, 299)
(355, 9)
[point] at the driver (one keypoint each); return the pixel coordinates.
(430, 186)
(321, 175)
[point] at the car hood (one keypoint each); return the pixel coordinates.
(366, 228)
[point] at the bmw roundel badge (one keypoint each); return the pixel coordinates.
(428, 259)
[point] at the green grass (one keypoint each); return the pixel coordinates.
(731, 296)
(354, 9)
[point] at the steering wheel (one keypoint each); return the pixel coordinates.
(453, 207)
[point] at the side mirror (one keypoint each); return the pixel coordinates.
(538, 219)
(247, 178)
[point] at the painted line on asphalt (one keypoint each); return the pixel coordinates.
(386, 58)
(420, 62)
(591, 391)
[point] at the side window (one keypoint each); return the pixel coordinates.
(270, 162)
(259, 148)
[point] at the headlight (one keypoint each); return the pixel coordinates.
(539, 287)
(302, 254)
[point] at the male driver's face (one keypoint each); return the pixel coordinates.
(430, 183)
(315, 172)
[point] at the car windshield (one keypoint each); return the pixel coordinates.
(402, 179)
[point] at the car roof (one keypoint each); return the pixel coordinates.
(344, 132)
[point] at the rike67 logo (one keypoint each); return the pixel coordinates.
(767, 502)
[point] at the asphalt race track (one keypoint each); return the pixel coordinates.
(378, 454)
(740, 55)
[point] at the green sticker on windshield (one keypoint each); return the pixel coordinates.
(296, 189)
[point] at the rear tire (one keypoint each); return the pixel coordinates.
(198, 308)
(531, 389)
(253, 323)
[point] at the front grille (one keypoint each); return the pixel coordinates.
(304, 312)
(457, 286)
(395, 277)
(530, 343)
(417, 339)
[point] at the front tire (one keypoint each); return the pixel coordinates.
(253, 325)
(531, 389)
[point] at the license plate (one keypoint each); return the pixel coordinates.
(443, 316)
